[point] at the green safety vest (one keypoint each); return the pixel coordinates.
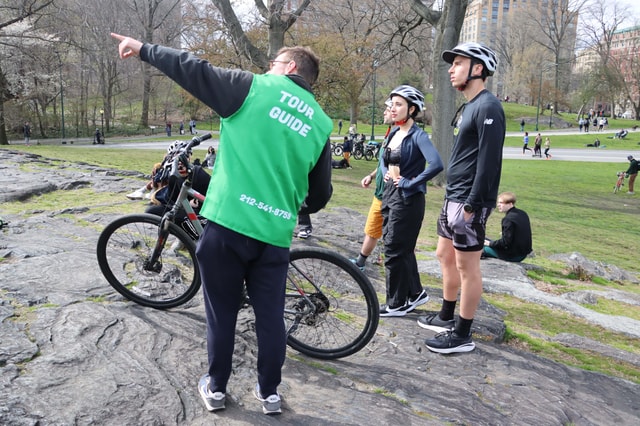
(267, 149)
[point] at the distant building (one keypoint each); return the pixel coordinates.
(488, 21)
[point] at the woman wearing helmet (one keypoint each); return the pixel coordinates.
(408, 161)
(473, 178)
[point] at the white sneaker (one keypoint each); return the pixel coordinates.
(270, 404)
(304, 233)
(136, 195)
(630, 192)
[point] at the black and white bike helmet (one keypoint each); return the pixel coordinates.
(175, 148)
(411, 94)
(475, 51)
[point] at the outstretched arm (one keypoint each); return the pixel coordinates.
(128, 46)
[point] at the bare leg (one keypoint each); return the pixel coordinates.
(468, 265)
(368, 245)
(450, 276)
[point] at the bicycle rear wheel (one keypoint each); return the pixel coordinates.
(358, 154)
(331, 308)
(124, 249)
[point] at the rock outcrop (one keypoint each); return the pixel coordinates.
(72, 351)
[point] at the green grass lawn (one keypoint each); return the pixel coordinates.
(572, 209)
(571, 204)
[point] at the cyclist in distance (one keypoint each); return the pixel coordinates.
(253, 201)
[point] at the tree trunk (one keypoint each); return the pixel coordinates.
(146, 93)
(444, 96)
(3, 130)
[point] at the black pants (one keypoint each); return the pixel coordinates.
(227, 260)
(401, 223)
(304, 221)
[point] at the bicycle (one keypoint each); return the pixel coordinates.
(619, 183)
(358, 149)
(331, 308)
(371, 150)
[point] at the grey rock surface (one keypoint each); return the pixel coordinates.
(72, 351)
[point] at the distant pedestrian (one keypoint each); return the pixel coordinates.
(632, 173)
(522, 125)
(339, 126)
(525, 142)
(547, 146)
(27, 134)
(182, 127)
(168, 129)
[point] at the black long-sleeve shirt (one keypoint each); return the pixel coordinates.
(516, 237)
(473, 175)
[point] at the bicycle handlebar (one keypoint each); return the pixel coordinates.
(197, 140)
(183, 158)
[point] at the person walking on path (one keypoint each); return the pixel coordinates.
(27, 134)
(373, 225)
(409, 160)
(525, 141)
(537, 146)
(243, 243)
(547, 147)
(473, 179)
(632, 173)
(339, 127)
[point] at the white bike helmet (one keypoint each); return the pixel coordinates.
(475, 51)
(411, 94)
(175, 148)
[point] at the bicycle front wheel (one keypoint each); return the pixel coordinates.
(368, 155)
(358, 154)
(124, 250)
(331, 308)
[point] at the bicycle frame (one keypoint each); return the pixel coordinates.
(331, 309)
(186, 191)
(183, 201)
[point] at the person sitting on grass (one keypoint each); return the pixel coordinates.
(515, 242)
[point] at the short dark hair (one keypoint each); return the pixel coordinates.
(307, 63)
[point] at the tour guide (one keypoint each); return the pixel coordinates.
(274, 150)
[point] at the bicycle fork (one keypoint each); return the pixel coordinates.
(154, 264)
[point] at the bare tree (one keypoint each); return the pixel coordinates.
(610, 76)
(277, 17)
(554, 29)
(448, 23)
(18, 22)
(158, 21)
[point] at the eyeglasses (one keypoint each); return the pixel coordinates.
(277, 62)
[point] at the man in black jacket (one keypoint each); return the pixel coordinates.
(515, 243)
